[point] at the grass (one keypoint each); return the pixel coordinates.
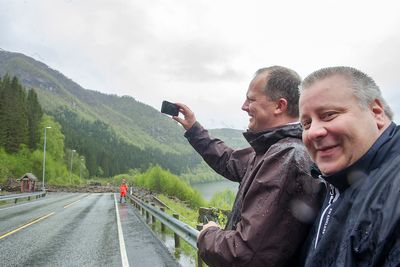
(186, 214)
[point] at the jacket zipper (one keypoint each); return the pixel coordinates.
(333, 196)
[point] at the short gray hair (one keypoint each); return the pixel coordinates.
(364, 87)
(283, 83)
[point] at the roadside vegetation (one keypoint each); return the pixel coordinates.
(177, 194)
(162, 181)
(186, 214)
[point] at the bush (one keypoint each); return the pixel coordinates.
(223, 200)
(162, 181)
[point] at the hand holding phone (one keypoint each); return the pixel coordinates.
(169, 108)
(188, 118)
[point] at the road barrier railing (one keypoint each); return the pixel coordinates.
(183, 230)
(15, 197)
(180, 229)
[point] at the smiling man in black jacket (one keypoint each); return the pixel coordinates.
(349, 133)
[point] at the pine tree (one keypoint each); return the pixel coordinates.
(13, 115)
(35, 114)
(3, 115)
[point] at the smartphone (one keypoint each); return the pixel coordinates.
(169, 108)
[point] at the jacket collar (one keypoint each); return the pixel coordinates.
(362, 167)
(261, 141)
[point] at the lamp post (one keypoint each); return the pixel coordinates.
(44, 156)
(70, 170)
(80, 169)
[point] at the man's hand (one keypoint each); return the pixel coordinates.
(209, 224)
(189, 118)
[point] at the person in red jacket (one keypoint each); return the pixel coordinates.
(123, 188)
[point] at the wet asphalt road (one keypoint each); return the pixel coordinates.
(66, 229)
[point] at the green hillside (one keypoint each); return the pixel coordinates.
(136, 122)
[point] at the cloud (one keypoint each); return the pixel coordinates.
(197, 61)
(382, 63)
(199, 52)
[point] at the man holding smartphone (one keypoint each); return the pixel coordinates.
(277, 199)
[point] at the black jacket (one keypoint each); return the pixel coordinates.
(359, 224)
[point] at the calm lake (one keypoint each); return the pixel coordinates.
(207, 190)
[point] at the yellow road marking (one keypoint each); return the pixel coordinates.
(26, 225)
(76, 201)
(71, 204)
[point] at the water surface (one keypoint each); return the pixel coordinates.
(207, 190)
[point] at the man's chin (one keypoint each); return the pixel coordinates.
(251, 125)
(251, 129)
(329, 169)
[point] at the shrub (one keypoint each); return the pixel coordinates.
(223, 200)
(162, 181)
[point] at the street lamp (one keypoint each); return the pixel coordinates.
(80, 170)
(44, 156)
(70, 170)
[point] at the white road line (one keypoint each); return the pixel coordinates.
(122, 247)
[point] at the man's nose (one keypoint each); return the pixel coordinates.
(245, 105)
(316, 131)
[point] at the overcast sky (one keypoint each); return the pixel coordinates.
(204, 52)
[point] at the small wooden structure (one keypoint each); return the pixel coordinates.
(28, 181)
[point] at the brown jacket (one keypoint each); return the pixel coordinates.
(276, 203)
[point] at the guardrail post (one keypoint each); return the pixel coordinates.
(162, 225)
(176, 237)
(141, 208)
(147, 214)
(153, 219)
(199, 261)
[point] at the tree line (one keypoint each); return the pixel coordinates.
(20, 116)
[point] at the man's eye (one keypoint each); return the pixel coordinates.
(305, 125)
(328, 116)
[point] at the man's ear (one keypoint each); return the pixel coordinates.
(281, 106)
(379, 114)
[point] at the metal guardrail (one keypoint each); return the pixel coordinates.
(183, 230)
(15, 197)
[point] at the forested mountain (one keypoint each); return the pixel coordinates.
(111, 132)
(134, 121)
